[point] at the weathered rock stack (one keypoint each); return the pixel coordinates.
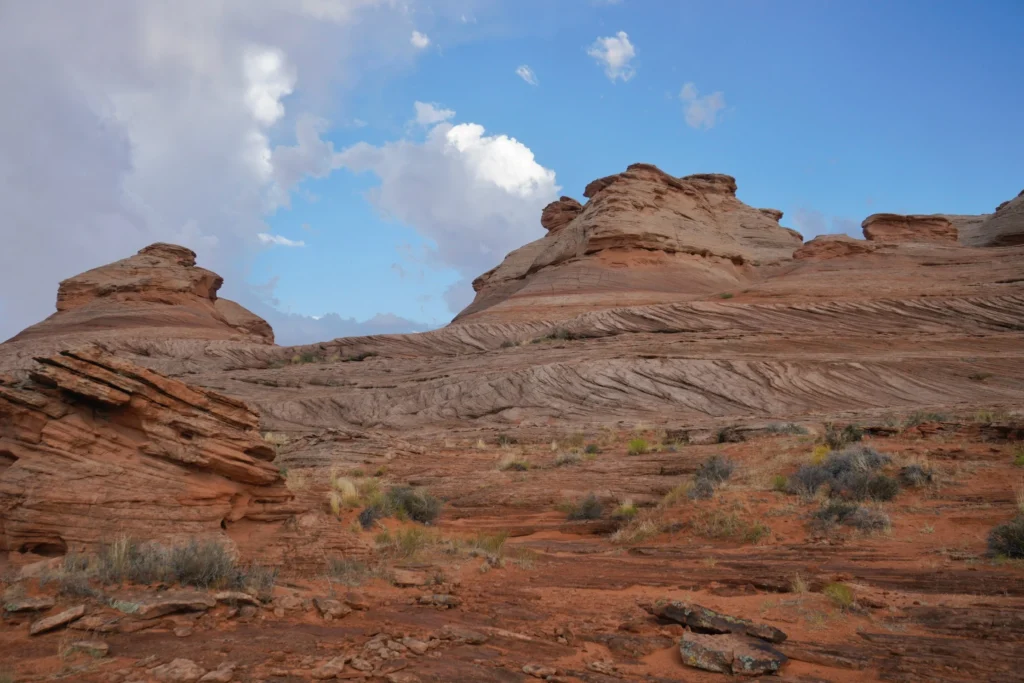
(92, 447)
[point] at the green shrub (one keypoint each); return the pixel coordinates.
(1018, 457)
(506, 440)
(720, 525)
(840, 594)
(1007, 539)
(508, 344)
(625, 511)
(726, 295)
(850, 473)
(780, 483)
(416, 504)
(592, 449)
(716, 469)
(587, 508)
(638, 446)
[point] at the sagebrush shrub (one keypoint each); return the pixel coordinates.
(1007, 539)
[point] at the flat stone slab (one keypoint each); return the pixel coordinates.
(96, 648)
(57, 620)
(704, 620)
(153, 606)
(39, 604)
(730, 654)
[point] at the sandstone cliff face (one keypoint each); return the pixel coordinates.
(644, 237)
(93, 446)
(1004, 228)
(158, 292)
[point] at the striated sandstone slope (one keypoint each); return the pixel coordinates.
(159, 292)
(94, 446)
(644, 237)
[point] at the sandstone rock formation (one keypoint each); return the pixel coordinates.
(159, 292)
(890, 227)
(1004, 228)
(558, 214)
(644, 237)
(833, 246)
(93, 446)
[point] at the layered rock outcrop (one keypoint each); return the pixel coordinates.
(891, 227)
(833, 246)
(643, 237)
(158, 292)
(1004, 228)
(92, 446)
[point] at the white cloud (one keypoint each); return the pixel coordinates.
(419, 40)
(187, 122)
(278, 240)
(614, 53)
(526, 73)
(701, 112)
(474, 196)
(427, 114)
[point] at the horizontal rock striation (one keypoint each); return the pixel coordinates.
(93, 446)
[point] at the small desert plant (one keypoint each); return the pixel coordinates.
(587, 508)
(625, 511)
(1018, 457)
(200, 563)
(726, 295)
(850, 514)
(717, 524)
(592, 449)
(915, 475)
(837, 438)
(506, 440)
(702, 489)
(920, 417)
(369, 516)
(716, 469)
(780, 482)
(819, 454)
(1007, 539)
(508, 344)
(638, 446)
(786, 428)
(797, 584)
(570, 458)
(850, 473)
(979, 376)
(636, 530)
(678, 494)
(352, 571)
(840, 594)
(490, 544)
(513, 463)
(729, 435)
(416, 504)
(404, 543)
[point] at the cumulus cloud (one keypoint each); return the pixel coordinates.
(419, 40)
(615, 54)
(526, 73)
(278, 240)
(474, 196)
(701, 111)
(187, 122)
(427, 114)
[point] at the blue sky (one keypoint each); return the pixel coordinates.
(238, 126)
(833, 111)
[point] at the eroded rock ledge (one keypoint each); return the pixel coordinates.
(93, 446)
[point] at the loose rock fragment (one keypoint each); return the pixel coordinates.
(730, 653)
(57, 620)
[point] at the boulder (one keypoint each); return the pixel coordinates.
(730, 654)
(178, 671)
(151, 606)
(328, 607)
(704, 620)
(26, 604)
